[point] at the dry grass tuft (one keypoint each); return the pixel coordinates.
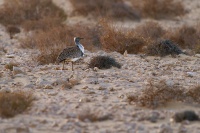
(197, 49)
(12, 30)
(11, 65)
(51, 42)
(103, 62)
(159, 9)
(150, 29)
(14, 103)
(156, 94)
(43, 24)
(116, 9)
(185, 37)
(93, 115)
(115, 39)
(163, 48)
(21, 12)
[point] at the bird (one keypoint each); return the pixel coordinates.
(71, 54)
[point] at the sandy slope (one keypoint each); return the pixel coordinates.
(56, 109)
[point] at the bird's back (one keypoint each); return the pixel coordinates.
(69, 53)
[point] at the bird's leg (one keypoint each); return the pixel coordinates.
(72, 66)
(63, 65)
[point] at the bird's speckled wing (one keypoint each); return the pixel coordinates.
(69, 53)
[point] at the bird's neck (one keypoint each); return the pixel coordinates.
(80, 47)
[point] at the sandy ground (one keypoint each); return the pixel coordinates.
(56, 108)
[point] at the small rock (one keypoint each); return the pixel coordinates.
(10, 56)
(17, 70)
(182, 129)
(53, 93)
(154, 117)
(42, 82)
(102, 88)
(125, 53)
(84, 100)
(48, 87)
(96, 69)
(86, 87)
(165, 128)
(7, 90)
(191, 74)
(170, 83)
(197, 55)
(31, 86)
(89, 92)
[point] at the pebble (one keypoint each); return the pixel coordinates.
(191, 74)
(10, 56)
(52, 93)
(7, 90)
(42, 82)
(48, 87)
(84, 100)
(197, 55)
(17, 70)
(165, 128)
(170, 83)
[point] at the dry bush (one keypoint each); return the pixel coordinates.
(50, 43)
(197, 49)
(159, 9)
(156, 94)
(185, 115)
(103, 62)
(42, 24)
(114, 39)
(185, 36)
(14, 103)
(12, 30)
(116, 9)
(163, 48)
(93, 115)
(17, 12)
(11, 65)
(150, 29)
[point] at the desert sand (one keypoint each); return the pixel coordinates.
(103, 92)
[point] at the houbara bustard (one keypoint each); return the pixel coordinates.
(71, 54)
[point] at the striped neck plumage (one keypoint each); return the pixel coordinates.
(80, 46)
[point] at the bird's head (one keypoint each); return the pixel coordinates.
(77, 39)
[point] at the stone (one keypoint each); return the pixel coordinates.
(165, 128)
(48, 87)
(10, 56)
(170, 83)
(52, 93)
(7, 90)
(17, 70)
(191, 74)
(197, 55)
